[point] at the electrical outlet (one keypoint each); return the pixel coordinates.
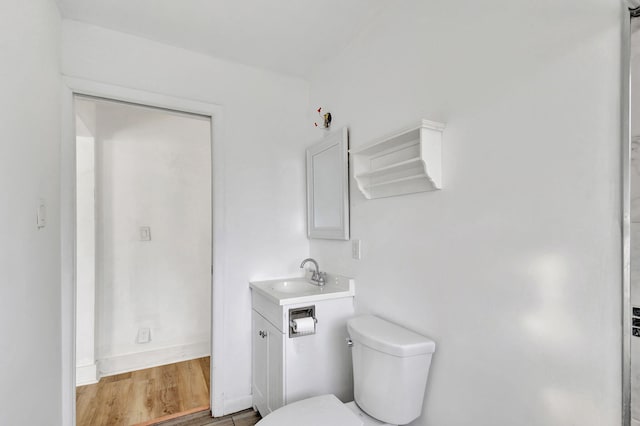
(144, 335)
(355, 249)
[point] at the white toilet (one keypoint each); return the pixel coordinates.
(390, 369)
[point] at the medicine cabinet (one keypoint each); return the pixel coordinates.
(328, 187)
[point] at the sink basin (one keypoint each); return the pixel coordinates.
(286, 291)
(292, 286)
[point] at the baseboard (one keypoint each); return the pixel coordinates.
(237, 404)
(86, 374)
(154, 358)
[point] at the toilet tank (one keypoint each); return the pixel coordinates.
(390, 369)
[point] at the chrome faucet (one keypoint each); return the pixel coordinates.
(318, 278)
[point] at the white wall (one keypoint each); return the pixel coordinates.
(513, 268)
(260, 157)
(153, 169)
(29, 170)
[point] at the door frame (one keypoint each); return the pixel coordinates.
(70, 87)
(625, 206)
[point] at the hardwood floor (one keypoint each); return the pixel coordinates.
(146, 397)
(243, 418)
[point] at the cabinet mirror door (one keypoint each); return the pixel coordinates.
(328, 187)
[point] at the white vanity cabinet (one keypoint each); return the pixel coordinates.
(289, 367)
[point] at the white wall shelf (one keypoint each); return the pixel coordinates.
(408, 161)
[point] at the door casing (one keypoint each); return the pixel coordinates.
(72, 86)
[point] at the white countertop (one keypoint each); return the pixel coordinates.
(287, 291)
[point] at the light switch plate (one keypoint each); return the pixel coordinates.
(145, 233)
(41, 215)
(355, 249)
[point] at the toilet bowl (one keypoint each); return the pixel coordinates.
(385, 356)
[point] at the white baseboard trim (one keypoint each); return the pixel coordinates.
(153, 358)
(86, 374)
(237, 404)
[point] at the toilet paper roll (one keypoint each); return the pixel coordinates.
(304, 325)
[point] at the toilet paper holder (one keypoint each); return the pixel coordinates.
(299, 313)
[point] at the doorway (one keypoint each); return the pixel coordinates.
(75, 86)
(143, 250)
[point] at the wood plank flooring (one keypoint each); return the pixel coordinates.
(243, 418)
(147, 396)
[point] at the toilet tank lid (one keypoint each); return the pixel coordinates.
(387, 337)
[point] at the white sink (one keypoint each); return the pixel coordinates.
(292, 286)
(286, 291)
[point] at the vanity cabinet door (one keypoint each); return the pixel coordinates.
(268, 365)
(275, 360)
(259, 359)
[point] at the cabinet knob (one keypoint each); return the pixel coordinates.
(262, 334)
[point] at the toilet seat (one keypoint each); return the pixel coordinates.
(366, 419)
(317, 411)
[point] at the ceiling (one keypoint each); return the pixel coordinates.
(289, 36)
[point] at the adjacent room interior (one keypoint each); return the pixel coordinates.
(143, 250)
